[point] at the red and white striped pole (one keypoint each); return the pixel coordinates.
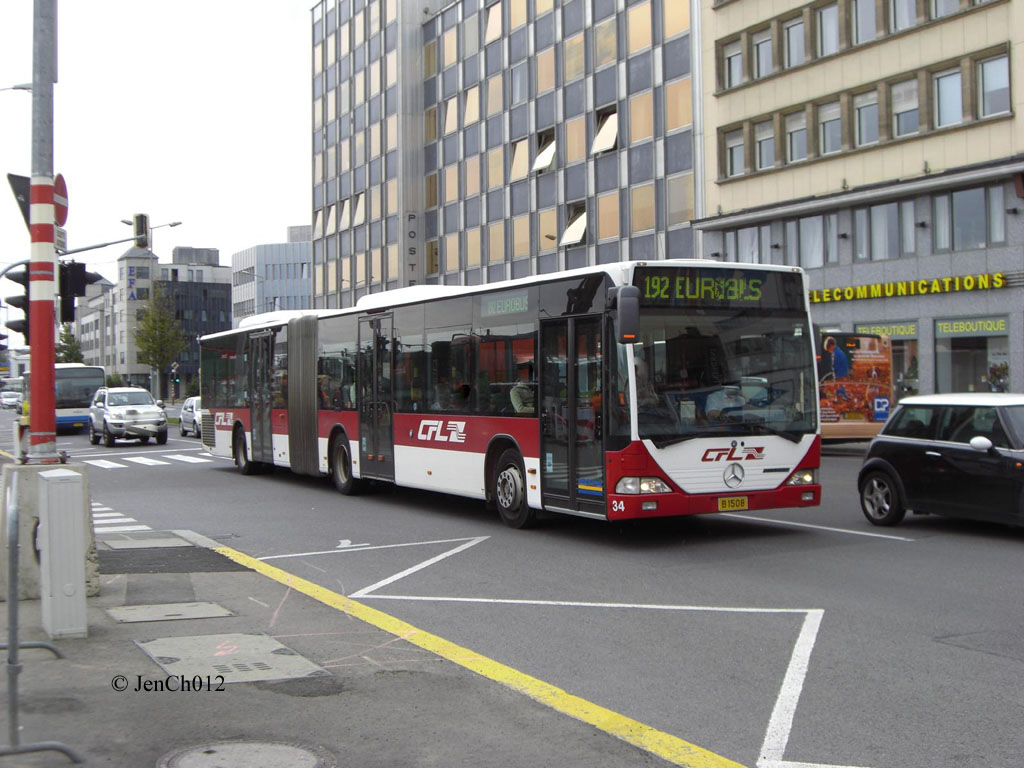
(42, 270)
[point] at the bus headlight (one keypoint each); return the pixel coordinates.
(803, 477)
(634, 485)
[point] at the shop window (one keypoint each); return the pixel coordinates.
(876, 232)
(977, 363)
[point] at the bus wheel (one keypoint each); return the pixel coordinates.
(341, 468)
(241, 452)
(880, 499)
(509, 490)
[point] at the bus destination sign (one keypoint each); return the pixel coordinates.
(727, 288)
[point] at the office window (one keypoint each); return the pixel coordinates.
(828, 30)
(948, 99)
(496, 242)
(639, 19)
(865, 107)
(677, 18)
(572, 57)
(994, 86)
(547, 229)
(641, 117)
(451, 184)
(472, 107)
(877, 232)
(576, 226)
(741, 245)
(677, 105)
(494, 97)
(793, 34)
(642, 208)
(545, 159)
(796, 137)
(733, 56)
(520, 160)
(576, 140)
(812, 242)
(940, 222)
(493, 24)
(542, 6)
(942, 8)
(608, 215)
(907, 225)
(605, 51)
(545, 69)
(516, 13)
(607, 133)
(903, 98)
(902, 14)
(521, 236)
(734, 153)
(764, 135)
(762, 53)
(969, 219)
(679, 199)
(830, 131)
(472, 247)
(471, 180)
(451, 115)
(495, 167)
(996, 215)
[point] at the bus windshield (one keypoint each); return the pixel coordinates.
(734, 357)
(74, 385)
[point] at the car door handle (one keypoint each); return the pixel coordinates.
(933, 454)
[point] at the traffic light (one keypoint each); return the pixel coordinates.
(73, 279)
(140, 225)
(21, 301)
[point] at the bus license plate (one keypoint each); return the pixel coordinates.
(731, 503)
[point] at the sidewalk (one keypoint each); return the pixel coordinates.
(304, 682)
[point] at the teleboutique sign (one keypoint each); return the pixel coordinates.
(982, 282)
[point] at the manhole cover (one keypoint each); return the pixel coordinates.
(248, 754)
(168, 612)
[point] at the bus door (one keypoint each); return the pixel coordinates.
(572, 434)
(375, 398)
(261, 349)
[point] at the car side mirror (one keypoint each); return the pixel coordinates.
(981, 444)
(160, 403)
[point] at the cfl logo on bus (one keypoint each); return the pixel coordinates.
(224, 419)
(437, 430)
(733, 454)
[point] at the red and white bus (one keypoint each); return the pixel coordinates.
(627, 390)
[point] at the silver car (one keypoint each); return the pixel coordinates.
(191, 420)
(128, 413)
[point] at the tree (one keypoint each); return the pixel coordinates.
(68, 350)
(159, 337)
(115, 380)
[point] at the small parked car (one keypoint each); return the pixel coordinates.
(128, 413)
(10, 399)
(959, 455)
(191, 419)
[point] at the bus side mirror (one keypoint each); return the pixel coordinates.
(627, 316)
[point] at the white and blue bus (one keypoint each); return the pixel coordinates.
(74, 385)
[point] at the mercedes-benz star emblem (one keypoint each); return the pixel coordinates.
(733, 475)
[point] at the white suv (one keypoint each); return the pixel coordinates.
(128, 413)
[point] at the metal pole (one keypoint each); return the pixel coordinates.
(43, 262)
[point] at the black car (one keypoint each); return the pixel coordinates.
(958, 455)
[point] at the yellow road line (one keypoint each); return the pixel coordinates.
(664, 745)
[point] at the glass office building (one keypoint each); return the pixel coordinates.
(492, 139)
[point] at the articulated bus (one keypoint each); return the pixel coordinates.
(74, 386)
(628, 390)
(854, 384)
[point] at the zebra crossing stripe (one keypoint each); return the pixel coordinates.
(98, 515)
(120, 519)
(145, 460)
(124, 529)
(187, 459)
(104, 464)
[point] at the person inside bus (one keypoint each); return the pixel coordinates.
(523, 392)
(724, 403)
(646, 395)
(442, 396)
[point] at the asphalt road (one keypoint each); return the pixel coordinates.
(803, 636)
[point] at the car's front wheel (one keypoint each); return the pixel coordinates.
(880, 499)
(161, 438)
(94, 437)
(108, 439)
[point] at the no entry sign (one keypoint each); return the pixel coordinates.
(60, 200)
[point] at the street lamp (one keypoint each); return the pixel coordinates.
(170, 224)
(18, 87)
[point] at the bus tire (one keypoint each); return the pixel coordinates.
(508, 488)
(341, 468)
(880, 499)
(241, 454)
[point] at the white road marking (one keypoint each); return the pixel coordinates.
(816, 527)
(146, 461)
(425, 564)
(120, 519)
(362, 548)
(187, 459)
(98, 515)
(104, 464)
(125, 529)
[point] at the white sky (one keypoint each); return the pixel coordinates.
(189, 110)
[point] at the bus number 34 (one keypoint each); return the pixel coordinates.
(618, 506)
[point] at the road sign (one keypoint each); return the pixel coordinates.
(60, 201)
(20, 186)
(60, 239)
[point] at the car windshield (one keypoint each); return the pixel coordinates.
(130, 398)
(721, 371)
(1015, 415)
